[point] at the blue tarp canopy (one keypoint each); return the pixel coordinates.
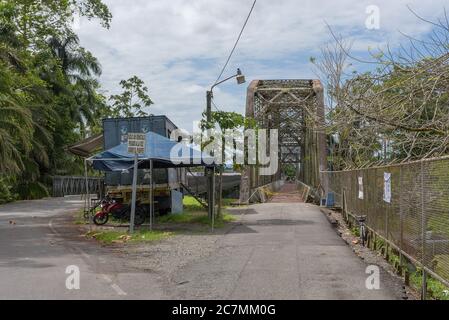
(164, 152)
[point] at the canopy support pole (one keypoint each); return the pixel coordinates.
(134, 191)
(151, 196)
(87, 195)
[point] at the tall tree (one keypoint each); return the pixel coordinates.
(132, 101)
(48, 90)
(397, 111)
(78, 67)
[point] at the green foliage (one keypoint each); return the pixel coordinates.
(289, 170)
(6, 194)
(195, 213)
(133, 100)
(191, 204)
(227, 121)
(30, 190)
(435, 289)
(37, 20)
(48, 92)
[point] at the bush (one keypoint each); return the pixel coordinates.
(6, 194)
(32, 190)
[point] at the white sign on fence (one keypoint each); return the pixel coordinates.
(361, 188)
(136, 143)
(387, 187)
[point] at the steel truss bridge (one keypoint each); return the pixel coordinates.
(296, 109)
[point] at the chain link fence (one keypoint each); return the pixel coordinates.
(406, 204)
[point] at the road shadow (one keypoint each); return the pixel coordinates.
(280, 222)
(242, 211)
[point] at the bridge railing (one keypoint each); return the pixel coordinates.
(407, 205)
(76, 185)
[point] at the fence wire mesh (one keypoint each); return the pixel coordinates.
(407, 204)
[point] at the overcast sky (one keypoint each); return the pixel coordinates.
(178, 47)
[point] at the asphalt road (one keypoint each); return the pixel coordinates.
(282, 251)
(38, 243)
(278, 251)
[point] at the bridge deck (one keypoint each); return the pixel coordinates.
(288, 194)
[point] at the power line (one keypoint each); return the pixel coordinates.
(236, 42)
(215, 106)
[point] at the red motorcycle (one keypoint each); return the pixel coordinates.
(119, 211)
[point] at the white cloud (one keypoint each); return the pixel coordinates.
(178, 47)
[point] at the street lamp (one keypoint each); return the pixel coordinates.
(240, 80)
(211, 173)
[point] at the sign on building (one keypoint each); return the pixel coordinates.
(136, 143)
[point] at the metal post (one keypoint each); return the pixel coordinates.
(401, 217)
(210, 192)
(87, 194)
(207, 171)
(151, 196)
(212, 205)
(424, 285)
(423, 235)
(133, 198)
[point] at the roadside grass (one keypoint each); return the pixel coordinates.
(227, 202)
(195, 213)
(435, 289)
(196, 217)
(79, 217)
(114, 236)
(190, 204)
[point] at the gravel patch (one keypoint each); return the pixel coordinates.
(189, 243)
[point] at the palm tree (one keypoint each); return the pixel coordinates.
(22, 135)
(16, 127)
(9, 45)
(76, 62)
(79, 67)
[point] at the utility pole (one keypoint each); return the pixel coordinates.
(209, 106)
(208, 172)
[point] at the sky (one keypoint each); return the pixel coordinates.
(178, 47)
